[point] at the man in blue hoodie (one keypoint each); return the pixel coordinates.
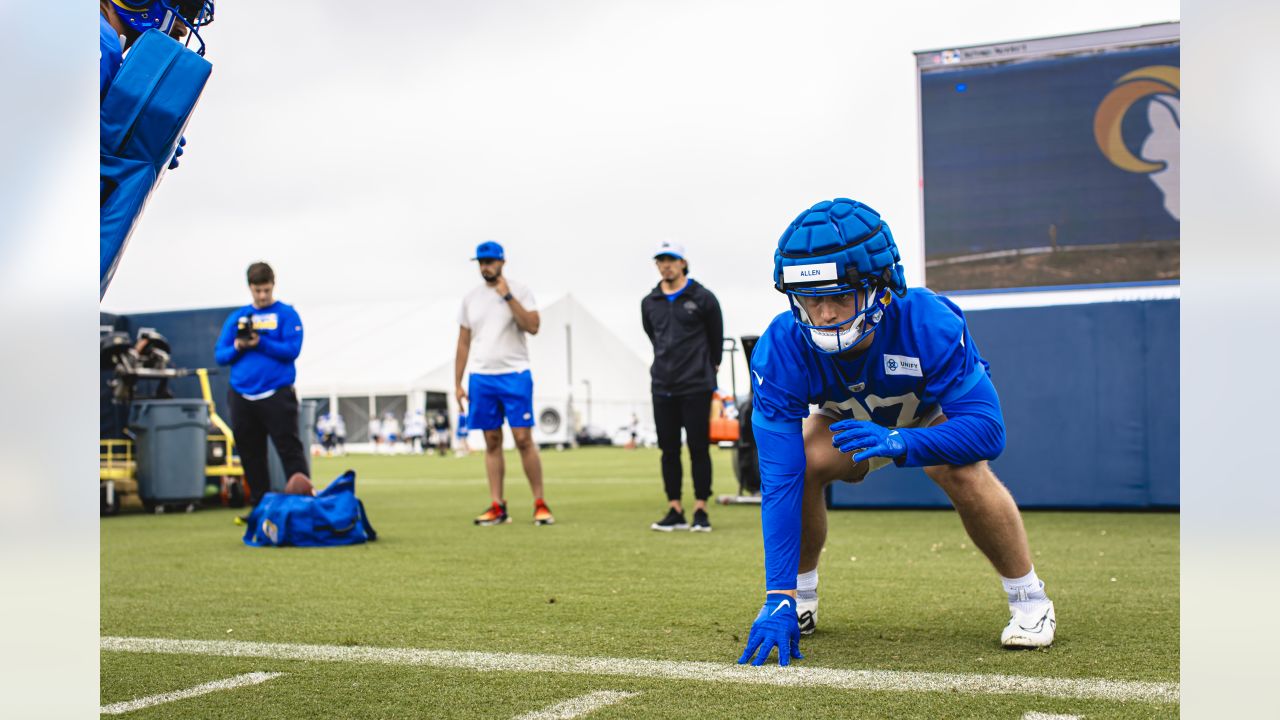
(260, 342)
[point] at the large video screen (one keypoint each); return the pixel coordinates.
(1052, 172)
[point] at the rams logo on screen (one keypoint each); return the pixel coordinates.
(1146, 81)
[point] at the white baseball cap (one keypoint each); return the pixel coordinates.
(670, 247)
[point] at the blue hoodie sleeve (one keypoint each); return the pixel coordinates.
(287, 348)
(974, 431)
(225, 351)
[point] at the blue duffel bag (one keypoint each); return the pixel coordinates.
(333, 517)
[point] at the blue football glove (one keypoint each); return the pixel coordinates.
(777, 626)
(875, 441)
(177, 153)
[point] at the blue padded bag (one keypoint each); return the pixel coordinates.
(143, 114)
(333, 517)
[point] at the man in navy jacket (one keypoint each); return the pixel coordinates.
(683, 321)
(260, 342)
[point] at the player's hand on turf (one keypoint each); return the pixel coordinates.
(873, 440)
(777, 626)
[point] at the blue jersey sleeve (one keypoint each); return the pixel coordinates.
(779, 387)
(781, 491)
(779, 404)
(951, 361)
(974, 431)
(110, 55)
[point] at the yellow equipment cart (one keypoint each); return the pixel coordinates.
(117, 468)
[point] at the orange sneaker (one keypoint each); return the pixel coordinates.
(495, 515)
(542, 514)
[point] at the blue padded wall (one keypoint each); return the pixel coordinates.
(1090, 397)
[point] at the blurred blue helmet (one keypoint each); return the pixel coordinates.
(841, 250)
(162, 15)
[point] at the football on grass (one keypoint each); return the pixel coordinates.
(299, 484)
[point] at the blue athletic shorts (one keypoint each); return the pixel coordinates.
(495, 396)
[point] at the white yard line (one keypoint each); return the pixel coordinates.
(579, 706)
(229, 684)
(888, 680)
(1047, 716)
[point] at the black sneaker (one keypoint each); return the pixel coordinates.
(673, 521)
(701, 523)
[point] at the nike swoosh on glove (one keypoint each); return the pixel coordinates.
(775, 627)
(873, 440)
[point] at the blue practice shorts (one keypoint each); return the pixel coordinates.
(493, 396)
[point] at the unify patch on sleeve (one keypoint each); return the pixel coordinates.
(902, 365)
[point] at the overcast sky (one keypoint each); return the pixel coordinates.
(363, 150)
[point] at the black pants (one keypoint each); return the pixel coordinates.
(253, 421)
(693, 412)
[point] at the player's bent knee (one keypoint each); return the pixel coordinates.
(958, 476)
(818, 475)
(824, 464)
(858, 473)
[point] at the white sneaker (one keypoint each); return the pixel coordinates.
(807, 611)
(1030, 629)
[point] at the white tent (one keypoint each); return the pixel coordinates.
(582, 373)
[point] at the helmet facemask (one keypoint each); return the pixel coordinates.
(163, 15)
(866, 300)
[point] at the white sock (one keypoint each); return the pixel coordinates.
(807, 585)
(1025, 593)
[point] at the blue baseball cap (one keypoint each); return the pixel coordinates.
(488, 250)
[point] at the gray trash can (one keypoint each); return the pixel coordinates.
(306, 431)
(170, 438)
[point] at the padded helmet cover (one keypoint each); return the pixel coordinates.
(844, 232)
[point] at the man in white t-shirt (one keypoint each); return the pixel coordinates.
(494, 319)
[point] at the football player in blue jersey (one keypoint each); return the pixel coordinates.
(897, 379)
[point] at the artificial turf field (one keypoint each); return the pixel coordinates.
(901, 591)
